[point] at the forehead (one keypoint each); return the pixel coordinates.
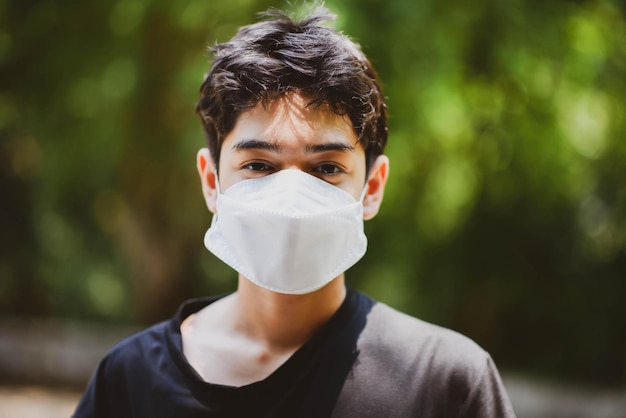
(290, 120)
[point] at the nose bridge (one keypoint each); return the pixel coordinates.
(293, 166)
(294, 156)
(293, 174)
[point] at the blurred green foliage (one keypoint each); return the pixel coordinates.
(505, 216)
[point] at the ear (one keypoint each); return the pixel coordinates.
(375, 187)
(206, 170)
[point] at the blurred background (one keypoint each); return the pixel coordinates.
(504, 218)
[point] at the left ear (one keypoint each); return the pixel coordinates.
(375, 187)
(208, 178)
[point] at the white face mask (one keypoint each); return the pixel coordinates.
(288, 232)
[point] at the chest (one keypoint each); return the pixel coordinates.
(230, 360)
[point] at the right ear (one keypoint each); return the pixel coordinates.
(208, 177)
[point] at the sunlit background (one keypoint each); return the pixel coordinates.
(504, 218)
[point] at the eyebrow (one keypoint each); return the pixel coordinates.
(256, 144)
(248, 144)
(332, 146)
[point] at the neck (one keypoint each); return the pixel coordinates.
(285, 321)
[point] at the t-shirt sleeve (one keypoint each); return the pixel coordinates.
(487, 396)
(107, 394)
(93, 403)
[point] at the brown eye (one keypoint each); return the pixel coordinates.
(257, 166)
(328, 169)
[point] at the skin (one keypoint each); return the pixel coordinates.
(245, 336)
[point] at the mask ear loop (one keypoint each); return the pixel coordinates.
(217, 184)
(363, 193)
(219, 193)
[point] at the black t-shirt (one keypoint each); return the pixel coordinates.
(147, 375)
(368, 361)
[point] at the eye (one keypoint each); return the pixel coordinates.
(257, 166)
(328, 169)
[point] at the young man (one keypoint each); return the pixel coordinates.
(296, 127)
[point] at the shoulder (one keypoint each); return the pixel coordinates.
(407, 365)
(157, 341)
(132, 359)
(139, 345)
(405, 337)
(121, 372)
(141, 372)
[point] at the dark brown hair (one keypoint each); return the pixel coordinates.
(266, 60)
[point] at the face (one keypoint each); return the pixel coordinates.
(289, 135)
